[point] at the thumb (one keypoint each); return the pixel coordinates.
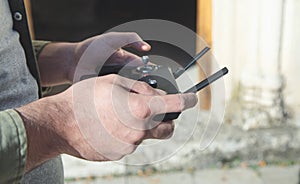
(125, 39)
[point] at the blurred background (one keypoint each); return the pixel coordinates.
(258, 41)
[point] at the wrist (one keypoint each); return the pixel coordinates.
(56, 63)
(40, 122)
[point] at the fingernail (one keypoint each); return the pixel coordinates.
(193, 99)
(145, 47)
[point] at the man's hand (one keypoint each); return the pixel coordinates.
(68, 62)
(102, 118)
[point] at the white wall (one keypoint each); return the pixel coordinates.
(290, 57)
(256, 38)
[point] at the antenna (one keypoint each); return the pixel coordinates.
(179, 72)
(208, 80)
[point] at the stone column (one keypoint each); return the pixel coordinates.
(262, 83)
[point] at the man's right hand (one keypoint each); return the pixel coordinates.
(102, 118)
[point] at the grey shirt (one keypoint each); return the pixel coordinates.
(18, 87)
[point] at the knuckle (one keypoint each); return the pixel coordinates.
(170, 131)
(118, 156)
(146, 87)
(161, 92)
(109, 34)
(130, 149)
(166, 131)
(143, 111)
(169, 135)
(114, 77)
(133, 37)
(133, 34)
(180, 103)
(137, 136)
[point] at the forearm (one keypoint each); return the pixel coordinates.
(56, 63)
(40, 120)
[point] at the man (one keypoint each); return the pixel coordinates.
(100, 118)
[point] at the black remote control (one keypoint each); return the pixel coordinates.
(161, 77)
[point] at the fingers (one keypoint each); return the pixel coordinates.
(171, 103)
(147, 102)
(122, 57)
(160, 92)
(140, 46)
(137, 86)
(163, 131)
(128, 39)
(155, 99)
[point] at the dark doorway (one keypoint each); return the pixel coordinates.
(74, 20)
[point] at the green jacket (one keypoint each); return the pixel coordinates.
(13, 146)
(13, 142)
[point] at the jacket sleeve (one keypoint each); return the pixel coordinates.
(13, 145)
(38, 46)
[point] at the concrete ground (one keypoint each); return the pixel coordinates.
(264, 175)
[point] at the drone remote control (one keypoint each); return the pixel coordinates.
(161, 77)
